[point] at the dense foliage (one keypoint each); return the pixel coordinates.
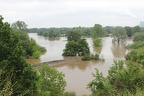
(52, 82)
(30, 47)
(97, 31)
(83, 31)
(20, 25)
(122, 80)
(136, 29)
(73, 35)
(108, 29)
(97, 42)
(88, 57)
(79, 47)
(137, 53)
(119, 34)
(138, 36)
(16, 75)
(129, 31)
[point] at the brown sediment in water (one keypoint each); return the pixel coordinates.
(57, 63)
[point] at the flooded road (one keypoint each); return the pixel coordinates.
(79, 74)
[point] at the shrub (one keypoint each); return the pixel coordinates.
(97, 42)
(86, 58)
(122, 79)
(138, 37)
(41, 49)
(36, 54)
(69, 94)
(136, 45)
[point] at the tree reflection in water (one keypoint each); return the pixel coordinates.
(118, 50)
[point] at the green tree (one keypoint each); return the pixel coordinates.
(52, 82)
(73, 48)
(21, 25)
(138, 37)
(136, 29)
(40, 33)
(45, 34)
(53, 32)
(108, 29)
(73, 35)
(119, 34)
(34, 51)
(82, 47)
(97, 42)
(129, 31)
(70, 49)
(30, 47)
(98, 31)
(24, 41)
(121, 80)
(12, 63)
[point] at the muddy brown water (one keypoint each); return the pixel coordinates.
(79, 73)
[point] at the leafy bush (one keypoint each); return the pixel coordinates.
(136, 45)
(74, 48)
(36, 54)
(86, 58)
(30, 47)
(41, 49)
(51, 82)
(90, 57)
(97, 42)
(69, 94)
(122, 79)
(138, 36)
(136, 55)
(94, 57)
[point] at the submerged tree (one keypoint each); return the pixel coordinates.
(12, 63)
(73, 48)
(73, 35)
(129, 31)
(119, 34)
(97, 31)
(53, 32)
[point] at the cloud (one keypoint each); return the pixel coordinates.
(127, 13)
(47, 13)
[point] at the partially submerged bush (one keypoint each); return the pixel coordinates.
(90, 57)
(97, 42)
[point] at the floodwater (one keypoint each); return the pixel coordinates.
(79, 74)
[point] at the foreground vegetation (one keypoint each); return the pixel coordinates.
(137, 53)
(122, 80)
(18, 78)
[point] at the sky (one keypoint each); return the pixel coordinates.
(73, 13)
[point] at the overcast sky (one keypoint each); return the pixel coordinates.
(73, 13)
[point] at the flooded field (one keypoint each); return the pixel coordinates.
(79, 73)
